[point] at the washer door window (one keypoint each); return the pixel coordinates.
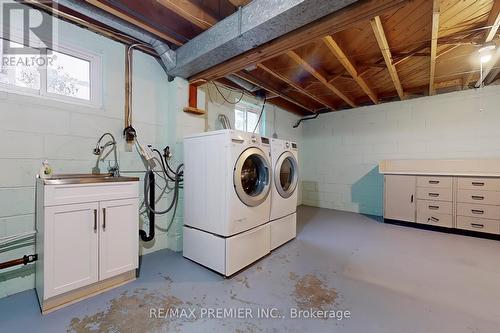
(251, 177)
(286, 174)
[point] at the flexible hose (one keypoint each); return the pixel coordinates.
(174, 199)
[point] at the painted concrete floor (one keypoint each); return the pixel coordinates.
(390, 278)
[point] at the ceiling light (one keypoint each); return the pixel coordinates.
(485, 58)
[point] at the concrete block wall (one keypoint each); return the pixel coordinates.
(341, 150)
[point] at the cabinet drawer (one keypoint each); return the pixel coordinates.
(482, 211)
(434, 193)
(477, 224)
(442, 182)
(434, 207)
(479, 197)
(440, 220)
(78, 193)
(484, 184)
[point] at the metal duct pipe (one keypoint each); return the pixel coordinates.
(242, 83)
(167, 56)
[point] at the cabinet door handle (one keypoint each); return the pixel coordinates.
(477, 211)
(477, 197)
(411, 199)
(433, 219)
(434, 207)
(95, 220)
(434, 182)
(477, 225)
(434, 195)
(477, 184)
(104, 219)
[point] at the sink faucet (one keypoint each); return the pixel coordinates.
(98, 150)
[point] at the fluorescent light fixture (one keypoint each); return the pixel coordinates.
(485, 58)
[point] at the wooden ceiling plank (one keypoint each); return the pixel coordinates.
(378, 30)
(306, 66)
(467, 79)
(191, 12)
(434, 40)
(135, 22)
(266, 86)
(493, 21)
(347, 63)
(295, 85)
(328, 25)
(238, 3)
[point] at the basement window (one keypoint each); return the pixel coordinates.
(246, 116)
(65, 75)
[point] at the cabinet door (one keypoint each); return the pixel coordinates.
(399, 200)
(71, 247)
(118, 237)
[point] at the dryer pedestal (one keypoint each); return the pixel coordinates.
(283, 230)
(226, 255)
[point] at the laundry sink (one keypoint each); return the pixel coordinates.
(86, 179)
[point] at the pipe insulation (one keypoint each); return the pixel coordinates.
(167, 55)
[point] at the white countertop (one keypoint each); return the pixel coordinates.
(465, 168)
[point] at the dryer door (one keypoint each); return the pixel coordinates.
(286, 174)
(251, 177)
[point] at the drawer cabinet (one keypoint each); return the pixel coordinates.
(468, 203)
(484, 184)
(478, 224)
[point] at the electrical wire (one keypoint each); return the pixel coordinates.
(260, 115)
(224, 97)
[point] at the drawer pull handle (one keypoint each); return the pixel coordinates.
(434, 195)
(477, 211)
(433, 219)
(477, 225)
(477, 184)
(477, 197)
(434, 207)
(433, 181)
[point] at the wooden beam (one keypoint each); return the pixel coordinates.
(190, 11)
(328, 25)
(448, 84)
(434, 41)
(135, 22)
(295, 85)
(270, 88)
(306, 66)
(467, 79)
(346, 62)
(378, 30)
(238, 3)
(493, 21)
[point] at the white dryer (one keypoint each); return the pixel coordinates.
(227, 185)
(283, 217)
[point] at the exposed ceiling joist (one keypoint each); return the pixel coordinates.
(268, 86)
(306, 66)
(466, 80)
(190, 11)
(346, 62)
(238, 3)
(378, 30)
(135, 22)
(493, 21)
(434, 40)
(296, 86)
(331, 22)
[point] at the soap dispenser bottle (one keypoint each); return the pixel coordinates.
(46, 171)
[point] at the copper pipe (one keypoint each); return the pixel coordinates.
(21, 261)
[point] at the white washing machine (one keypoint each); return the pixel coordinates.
(283, 217)
(227, 185)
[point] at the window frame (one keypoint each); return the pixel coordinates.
(247, 107)
(95, 75)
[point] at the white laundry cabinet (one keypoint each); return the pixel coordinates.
(459, 194)
(87, 239)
